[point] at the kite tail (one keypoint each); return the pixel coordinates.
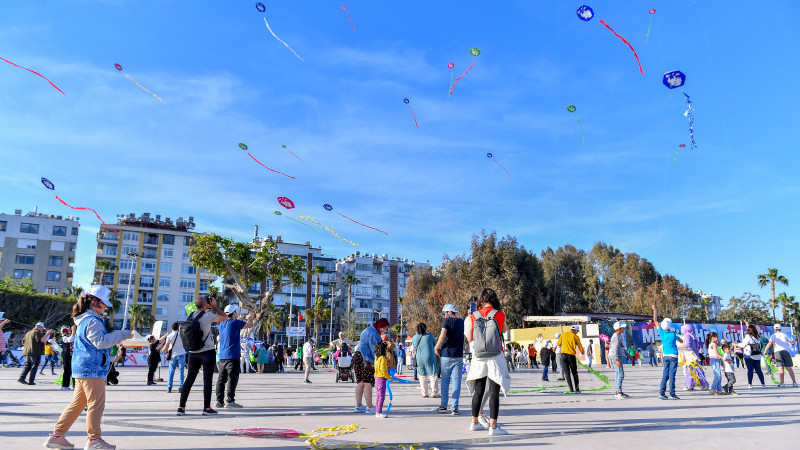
(583, 134)
(34, 72)
(599, 375)
(504, 167)
(145, 89)
(647, 39)
(295, 156)
(628, 43)
(462, 76)
(262, 165)
(371, 228)
(281, 41)
(414, 116)
(81, 208)
(351, 21)
(773, 370)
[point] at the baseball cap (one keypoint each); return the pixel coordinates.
(618, 325)
(576, 327)
(449, 307)
(666, 324)
(777, 326)
(101, 292)
(40, 324)
(231, 309)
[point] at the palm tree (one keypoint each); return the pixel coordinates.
(273, 318)
(73, 292)
(704, 302)
(318, 312)
(141, 317)
(770, 278)
(105, 266)
(317, 270)
(350, 280)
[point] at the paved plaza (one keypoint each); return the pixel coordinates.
(142, 417)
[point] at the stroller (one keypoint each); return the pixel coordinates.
(11, 360)
(345, 369)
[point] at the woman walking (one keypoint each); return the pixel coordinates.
(489, 370)
(90, 360)
(427, 367)
(751, 344)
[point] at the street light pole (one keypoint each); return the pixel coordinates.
(135, 257)
(331, 288)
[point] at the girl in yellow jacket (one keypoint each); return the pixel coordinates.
(381, 375)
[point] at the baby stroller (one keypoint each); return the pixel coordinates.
(345, 369)
(11, 360)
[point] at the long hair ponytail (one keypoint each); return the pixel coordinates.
(83, 303)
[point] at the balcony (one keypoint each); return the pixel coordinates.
(107, 237)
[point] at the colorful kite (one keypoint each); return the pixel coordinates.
(48, 184)
(280, 40)
(451, 65)
(119, 67)
(260, 6)
(278, 213)
(572, 109)
(474, 52)
(690, 114)
(604, 338)
(490, 156)
(34, 72)
(286, 202)
(244, 147)
(585, 13)
(628, 43)
(674, 79)
(87, 209)
(283, 146)
(329, 230)
(406, 101)
(348, 18)
(652, 11)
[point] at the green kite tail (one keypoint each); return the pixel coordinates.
(648, 30)
(537, 389)
(583, 135)
(59, 380)
(599, 375)
(772, 367)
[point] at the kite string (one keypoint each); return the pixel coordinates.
(504, 167)
(454, 84)
(281, 41)
(414, 116)
(34, 72)
(86, 209)
(262, 165)
(154, 95)
(628, 43)
(371, 228)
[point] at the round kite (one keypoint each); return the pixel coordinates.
(451, 65)
(278, 213)
(585, 13)
(475, 51)
(604, 338)
(118, 67)
(682, 145)
(260, 7)
(571, 108)
(286, 202)
(674, 79)
(48, 184)
(327, 207)
(242, 146)
(653, 11)
(488, 155)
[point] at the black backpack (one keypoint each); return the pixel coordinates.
(345, 349)
(191, 333)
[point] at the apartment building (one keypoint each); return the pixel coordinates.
(149, 265)
(40, 247)
(714, 303)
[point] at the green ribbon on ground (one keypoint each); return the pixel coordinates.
(537, 389)
(773, 370)
(599, 375)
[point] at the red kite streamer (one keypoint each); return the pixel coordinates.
(504, 168)
(87, 209)
(412, 115)
(34, 72)
(625, 41)
(262, 165)
(371, 228)
(470, 67)
(294, 154)
(348, 18)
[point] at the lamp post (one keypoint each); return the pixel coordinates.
(331, 289)
(135, 257)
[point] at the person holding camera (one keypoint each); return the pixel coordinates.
(32, 350)
(229, 353)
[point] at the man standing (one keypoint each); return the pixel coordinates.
(308, 358)
(450, 348)
(153, 359)
(669, 342)
(229, 355)
(782, 343)
(32, 350)
(205, 356)
(67, 338)
(546, 354)
(590, 353)
(615, 351)
(569, 342)
(176, 356)
(556, 357)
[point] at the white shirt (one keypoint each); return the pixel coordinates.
(780, 342)
(748, 340)
(726, 362)
(176, 344)
(308, 350)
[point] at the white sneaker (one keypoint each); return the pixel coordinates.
(65, 389)
(58, 442)
(764, 386)
(483, 419)
(381, 415)
(99, 444)
(497, 431)
(749, 386)
(476, 427)
(370, 410)
(618, 396)
(359, 409)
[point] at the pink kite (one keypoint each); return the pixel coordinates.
(348, 18)
(604, 338)
(286, 202)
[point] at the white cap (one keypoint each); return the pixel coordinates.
(101, 292)
(666, 324)
(231, 309)
(40, 324)
(777, 326)
(576, 327)
(618, 325)
(449, 307)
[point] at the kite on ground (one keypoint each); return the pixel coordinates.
(35, 73)
(474, 52)
(348, 18)
(490, 156)
(407, 101)
(266, 432)
(572, 109)
(119, 67)
(626, 42)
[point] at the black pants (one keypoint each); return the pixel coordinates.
(152, 365)
(197, 360)
(730, 378)
(67, 376)
(31, 365)
(228, 372)
(555, 364)
(494, 397)
(297, 363)
(570, 365)
(280, 365)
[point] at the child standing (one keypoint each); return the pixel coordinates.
(712, 346)
(727, 360)
(381, 375)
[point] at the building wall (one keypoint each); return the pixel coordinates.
(47, 255)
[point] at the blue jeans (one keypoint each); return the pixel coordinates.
(589, 360)
(670, 367)
(176, 362)
(619, 375)
(716, 385)
(544, 371)
(451, 371)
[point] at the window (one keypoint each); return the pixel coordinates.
(148, 267)
(51, 290)
(187, 283)
(109, 279)
(56, 261)
(203, 286)
(123, 279)
(151, 239)
(145, 297)
(130, 249)
(185, 253)
(22, 273)
(121, 296)
(164, 281)
(163, 296)
(166, 253)
(110, 250)
(149, 253)
(168, 239)
(3, 225)
(127, 264)
(59, 231)
(165, 267)
(53, 276)
(29, 228)
(26, 243)
(24, 259)
(188, 269)
(162, 311)
(187, 241)
(57, 246)
(74, 231)
(130, 236)
(187, 297)
(147, 282)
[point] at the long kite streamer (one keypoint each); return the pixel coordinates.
(278, 213)
(690, 114)
(87, 209)
(572, 109)
(262, 165)
(599, 375)
(280, 40)
(407, 102)
(371, 228)
(537, 389)
(329, 230)
(145, 89)
(462, 76)
(490, 156)
(628, 43)
(34, 72)
(293, 154)
(348, 18)
(652, 11)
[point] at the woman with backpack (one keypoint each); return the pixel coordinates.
(489, 370)
(751, 344)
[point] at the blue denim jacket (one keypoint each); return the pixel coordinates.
(91, 352)
(369, 338)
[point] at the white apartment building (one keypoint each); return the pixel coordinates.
(39, 246)
(150, 265)
(714, 308)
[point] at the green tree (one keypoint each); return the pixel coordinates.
(350, 280)
(704, 302)
(104, 265)
(242, 264)
(772, 277)
(273, 319)
(747, 307)
(141, 316)
(23, 286)
(318, 312)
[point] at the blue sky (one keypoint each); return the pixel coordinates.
(725, 213)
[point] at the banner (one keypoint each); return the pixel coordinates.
(295, 331)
